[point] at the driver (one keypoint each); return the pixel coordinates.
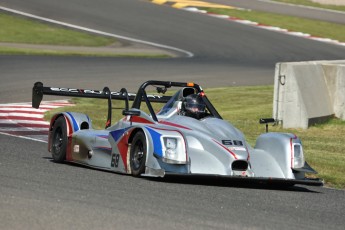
(193, 106)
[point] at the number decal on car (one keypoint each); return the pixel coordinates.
(232, 142)
(115, 160)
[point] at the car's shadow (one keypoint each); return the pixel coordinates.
(235, 182)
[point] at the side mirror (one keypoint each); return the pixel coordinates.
(266, 121)
(131, 112)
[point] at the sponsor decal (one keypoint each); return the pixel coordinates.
(97, 92)
(237, 148)
(76, 148)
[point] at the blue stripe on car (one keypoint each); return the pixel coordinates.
(156, 138)
(117, 134)
(75, 125)
(102, 136)
(105, 149)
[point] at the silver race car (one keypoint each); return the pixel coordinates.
(187, 137)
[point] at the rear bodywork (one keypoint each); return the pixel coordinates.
(175, 144)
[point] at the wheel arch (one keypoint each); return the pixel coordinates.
(147, 137)
(51, 127)
(134, 132)
(74, 122)
(137, 171)
(150, 159)
(278, 147)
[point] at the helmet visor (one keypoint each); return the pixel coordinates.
(196, 108)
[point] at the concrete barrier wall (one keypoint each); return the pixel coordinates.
(335, 80)
(306, 93)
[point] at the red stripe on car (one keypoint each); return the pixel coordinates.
(174, 125)
(141, 120)
(228, 150)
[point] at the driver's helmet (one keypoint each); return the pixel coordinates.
(193, 106)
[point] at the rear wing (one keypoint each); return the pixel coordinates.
(161, 86)
(39, 90)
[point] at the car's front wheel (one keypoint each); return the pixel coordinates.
(138, 154)
(59, 140)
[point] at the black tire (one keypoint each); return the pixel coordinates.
(59, 140)
(138, 154)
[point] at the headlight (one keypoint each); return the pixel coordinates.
(171, 143)
(174, 151)
(298, 156)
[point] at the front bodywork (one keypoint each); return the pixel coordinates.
(180, 145)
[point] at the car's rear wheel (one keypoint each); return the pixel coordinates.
(138, 154)
(59, 140)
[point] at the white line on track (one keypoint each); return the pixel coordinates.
(187, 53)
(19, 129)
(266, 27)
(23, 109)
(30, 106)
(21, 115)
(23, 137)
(302, 6)
(22, 122)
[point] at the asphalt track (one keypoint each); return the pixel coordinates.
(225, 53)
(36, 193)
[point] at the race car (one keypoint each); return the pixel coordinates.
(186, 137)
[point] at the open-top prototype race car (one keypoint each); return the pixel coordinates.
(187, 137)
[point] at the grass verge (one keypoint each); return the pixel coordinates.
(312, 27)
(26, 51)
(17, 29)
(243, 106)
(313, 4)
